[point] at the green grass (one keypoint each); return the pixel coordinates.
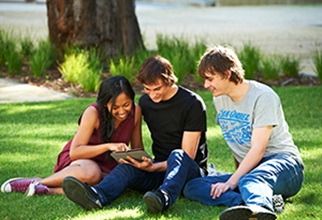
(32, 135)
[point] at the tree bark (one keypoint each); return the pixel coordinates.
(110, 25)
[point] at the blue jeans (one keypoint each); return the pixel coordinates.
(181, 168)
(275, 174)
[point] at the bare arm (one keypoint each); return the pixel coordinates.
(136, 139)
(259, 142)
(79, 148)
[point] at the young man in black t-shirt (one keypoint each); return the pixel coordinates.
(176, 118)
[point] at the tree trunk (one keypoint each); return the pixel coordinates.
(110, 25)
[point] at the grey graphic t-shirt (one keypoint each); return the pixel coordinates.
(260, 107)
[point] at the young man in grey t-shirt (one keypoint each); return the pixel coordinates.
(252, 121)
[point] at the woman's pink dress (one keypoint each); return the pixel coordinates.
(122, 134)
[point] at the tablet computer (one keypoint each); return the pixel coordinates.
(134, 153)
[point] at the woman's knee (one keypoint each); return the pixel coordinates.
(88, 171)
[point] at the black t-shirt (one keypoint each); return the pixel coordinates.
(167, 120)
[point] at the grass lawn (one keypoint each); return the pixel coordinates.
(32, 135)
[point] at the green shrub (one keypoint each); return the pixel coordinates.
(9, 53)
(140, 56)
(181, 55)
(317, 60)
(270, 67)
(125, 67)
(129, 66)
(2, 47)
(82, 67)
(250, 58)
(27, 47)
(198, 50)
(91, 81)
(290, 65)
(72, 63)
(13, 57)
(42, 58)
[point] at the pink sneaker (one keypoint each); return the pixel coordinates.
(36, 188)
(17, 184)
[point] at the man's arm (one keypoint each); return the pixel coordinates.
(190, 142)
(259, 143)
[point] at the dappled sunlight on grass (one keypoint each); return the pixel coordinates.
(214, 132)
(113, 213)
(32, 135)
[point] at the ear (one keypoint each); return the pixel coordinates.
(228, 74)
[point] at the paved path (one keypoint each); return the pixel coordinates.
(275, 29)
(11, 91)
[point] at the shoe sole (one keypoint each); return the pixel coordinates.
(153, 202)
(240, 213)
(3, 186)
(77, 192)
(245, 213)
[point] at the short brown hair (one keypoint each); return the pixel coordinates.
(219, 59)
(154, 68)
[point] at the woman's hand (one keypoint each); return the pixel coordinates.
(118, 147)
(220, 188)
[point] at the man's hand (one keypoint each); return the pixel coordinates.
(146, 164)
(219, 188)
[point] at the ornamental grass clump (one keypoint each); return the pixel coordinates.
(125, 67)
(82, 67)
(317, 60)
(9, 52)
(250, 57)
(270, 67)
(42, 58)
(290, 65)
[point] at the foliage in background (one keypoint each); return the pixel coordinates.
(184, 56)
(42, 58)
(197, 50)
(125, 67)
(27, 47)
(83, 67)
(13, 57)
(2, 47)
(270, 67)
(9, 52)
(32, 135)
(317, 60)
(177, 52)
(180, 53)
(250, 56)
(290, 65)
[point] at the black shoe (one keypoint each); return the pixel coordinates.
(80, 193)
(247, 212)
(278, 203)
(156, 201)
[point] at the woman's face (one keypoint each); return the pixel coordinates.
(121, 108)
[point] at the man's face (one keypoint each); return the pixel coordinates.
(216, 84)
(157, 91)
